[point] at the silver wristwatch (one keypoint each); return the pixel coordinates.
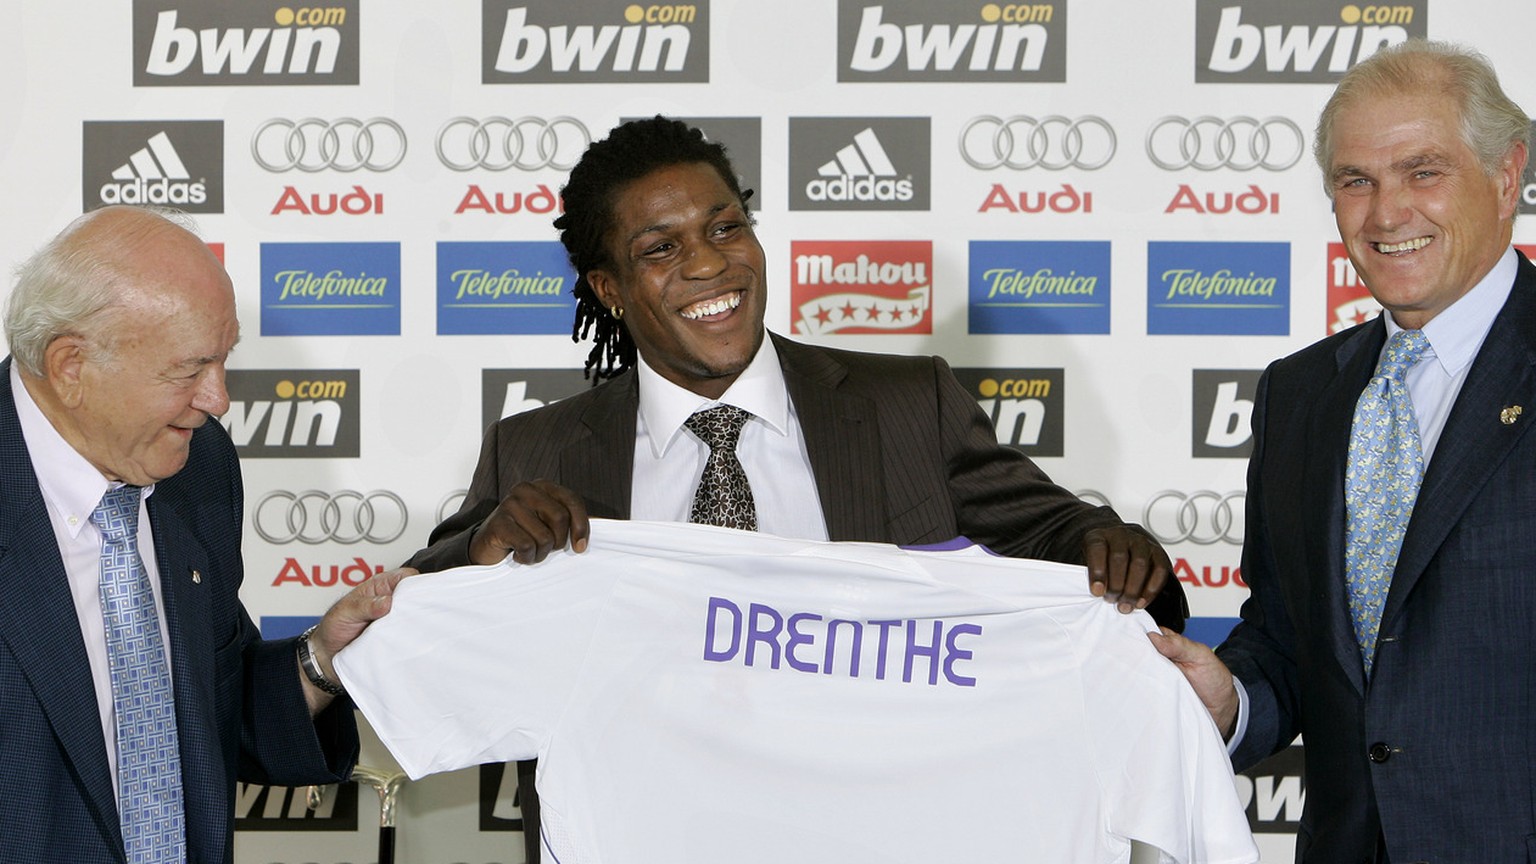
(311, 666)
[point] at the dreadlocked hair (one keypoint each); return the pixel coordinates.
(631, 151)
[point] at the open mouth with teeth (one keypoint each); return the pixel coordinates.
(1413, 245)
(712, 308)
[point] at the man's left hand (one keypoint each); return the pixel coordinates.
(1125, 566)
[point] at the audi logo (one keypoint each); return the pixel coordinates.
(1202, 517)
(451, 504)
(1053, 142)
(1206, 143)
(343, 517)
(1094, 497)
(313, 144)
(499, 143)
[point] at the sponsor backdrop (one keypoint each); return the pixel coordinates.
(1104, 214)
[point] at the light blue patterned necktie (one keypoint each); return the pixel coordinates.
(150, 804)
(1381, 484)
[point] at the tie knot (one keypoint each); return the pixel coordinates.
(1403, 350)
(117, 516)
(719, 427)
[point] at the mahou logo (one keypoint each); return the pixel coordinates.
(167, 163)
(862, 286)
(592, 41)
(225, 43)
(1261, 42)
(859, 163)
(1349, 303)
(919, 40)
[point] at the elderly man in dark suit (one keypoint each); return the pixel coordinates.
(1392, 493)
(815, 442)
(134, 689)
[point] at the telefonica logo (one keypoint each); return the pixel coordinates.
(170, 163)
(1261, 42)
(591, 41)
(919, 40)
(244, 42)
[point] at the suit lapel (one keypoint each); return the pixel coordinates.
(1475, 441)
(1328, 444)
(842, 440)
(38, 622)
(188, 619)
(599, 464)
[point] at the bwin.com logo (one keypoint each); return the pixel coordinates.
(1301, 41)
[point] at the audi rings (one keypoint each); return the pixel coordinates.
(344, 517)
(313, 144)
(1206, 143)
(1021, 142)
(499, 143)
(451, 504)
(1094, 497)
(1202, 517)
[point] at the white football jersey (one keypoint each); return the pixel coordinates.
(698, 694)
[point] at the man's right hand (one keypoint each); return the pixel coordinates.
(1206, 673)
(534, 519)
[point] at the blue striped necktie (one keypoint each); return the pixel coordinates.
(150, 806)
(1381, 483)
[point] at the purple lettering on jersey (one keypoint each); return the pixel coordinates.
(798, 638)
(716, 604)
(793, 637)
(769, 636)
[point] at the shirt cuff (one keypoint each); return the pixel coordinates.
(1241, 728)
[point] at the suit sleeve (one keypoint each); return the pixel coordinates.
(280, 744)
(1261, 649)
(448, 545)
(1004, 501)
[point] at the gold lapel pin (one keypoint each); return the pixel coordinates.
(197, 575)
(1510, 412)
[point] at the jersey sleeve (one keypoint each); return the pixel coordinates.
(1166, 778)
(474, 664)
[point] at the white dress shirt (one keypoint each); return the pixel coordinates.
(72, 488)
(771, 450)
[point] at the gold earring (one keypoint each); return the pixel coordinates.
(617, 312)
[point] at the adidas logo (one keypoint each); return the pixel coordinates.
(861, 171)
(154, 174)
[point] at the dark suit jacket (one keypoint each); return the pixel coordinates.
(1452, 699)
(240, 708)
(901, 454)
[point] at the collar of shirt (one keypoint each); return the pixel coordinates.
(68, 480)
(760, 390)
(1456, 334)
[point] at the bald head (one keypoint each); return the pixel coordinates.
(121, 326)
(81, 281)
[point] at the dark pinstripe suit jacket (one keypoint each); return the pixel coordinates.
(1452, 697)
(240, 709)
(901, 454)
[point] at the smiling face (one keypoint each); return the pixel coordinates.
(689, 274)
(152, 371)
(1423, 222)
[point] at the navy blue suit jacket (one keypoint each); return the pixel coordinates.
(1452, 698)
(240, 708)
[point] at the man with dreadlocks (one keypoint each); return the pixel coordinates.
(830, 444)
(833, 444)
